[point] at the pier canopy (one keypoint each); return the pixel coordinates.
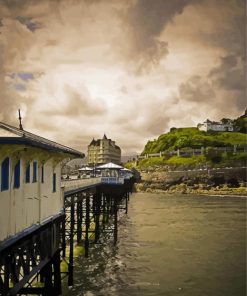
(30, 179)
(10, 135)
(85, 169)
(110, 169)
(110, 166)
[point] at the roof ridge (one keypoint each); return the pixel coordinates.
(29, 135)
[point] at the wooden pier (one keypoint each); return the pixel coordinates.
(42, 218)
(31, 264)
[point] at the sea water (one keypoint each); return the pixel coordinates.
(170, 245)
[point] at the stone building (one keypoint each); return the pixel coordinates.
(103, 151)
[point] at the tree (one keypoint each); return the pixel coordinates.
(226, 120)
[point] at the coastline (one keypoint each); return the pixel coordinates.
(215, 182)
(183, 189)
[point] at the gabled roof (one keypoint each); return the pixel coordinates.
(92, 142)
(12, 135)
(104, 138)
(110, 165)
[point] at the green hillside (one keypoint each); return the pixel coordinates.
(241, 123)
(193, 138)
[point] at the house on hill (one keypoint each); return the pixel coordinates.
(208, 125)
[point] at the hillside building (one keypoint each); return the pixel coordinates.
(216, 126)
(102, 151)
(30, 180)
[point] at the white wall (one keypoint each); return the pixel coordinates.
(31, 203)
(215, 127)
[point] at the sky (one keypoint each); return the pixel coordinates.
(131, 69)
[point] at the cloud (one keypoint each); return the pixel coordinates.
(131, 69)
(229, 74)
(197, 90)
(29, 23)
(77, 104)
(145, 22)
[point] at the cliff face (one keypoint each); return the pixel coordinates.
(226, 180)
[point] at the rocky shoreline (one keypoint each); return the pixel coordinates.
(199, 189)
(210, 183)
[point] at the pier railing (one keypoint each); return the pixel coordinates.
(79, 183)
(69, 185)
(112, 180)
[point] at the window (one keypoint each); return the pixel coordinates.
(28, 173)
(5, 174)
(54, 182)
(42, 173)
(17, 172)
(34, 171)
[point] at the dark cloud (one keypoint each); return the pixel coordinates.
(229, 75)
(196, 89)
(29, 23)
(231, 34)
(146, 20)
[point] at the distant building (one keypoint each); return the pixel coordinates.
(216, 126)
(103, 151)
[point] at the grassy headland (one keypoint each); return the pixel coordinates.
(188, 160)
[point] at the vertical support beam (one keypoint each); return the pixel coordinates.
(79, 221)
(115, 210)
(108, 206)
(47, 273)
(103, 210)
(64, 237)
(57, 274)
(126, 202)
(6, 272)
(97, 198)
(87, 225)
(71, 242)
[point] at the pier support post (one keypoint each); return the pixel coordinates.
(71, 243)
(87, 225)
(103, 210)
(47, 273)
(63, 226)
(115, 210)
(57, 274)
(126, 202)
(79, 221)
(97, 198)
